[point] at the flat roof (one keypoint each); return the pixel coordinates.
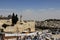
(18, 34)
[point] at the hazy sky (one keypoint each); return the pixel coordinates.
(31, 9)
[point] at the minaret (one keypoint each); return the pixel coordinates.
(20, 18)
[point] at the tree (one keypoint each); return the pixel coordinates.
(5, 25)
(9, 16)
(14, 19)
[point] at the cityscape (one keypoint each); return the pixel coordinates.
(14, 28)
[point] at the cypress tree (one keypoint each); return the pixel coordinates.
(14, 19)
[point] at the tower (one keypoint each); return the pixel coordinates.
(20, 18)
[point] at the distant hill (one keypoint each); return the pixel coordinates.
(52, 20)
(48, 23)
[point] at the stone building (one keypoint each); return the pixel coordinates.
(21, 26)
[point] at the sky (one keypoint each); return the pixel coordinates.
(31, 9)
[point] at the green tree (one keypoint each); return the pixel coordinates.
(14, 19)
(10, 16)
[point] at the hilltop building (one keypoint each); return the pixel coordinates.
(21, 26)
